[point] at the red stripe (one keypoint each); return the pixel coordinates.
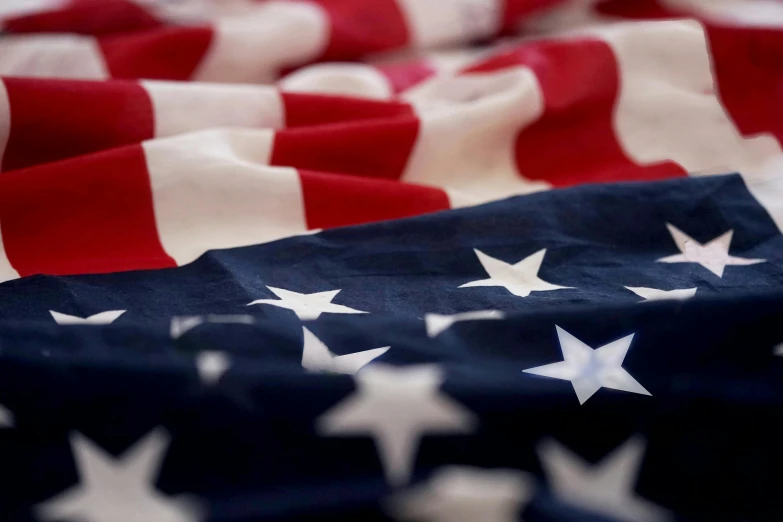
(93, 17)
(574, 141)
(313, 109)
(88, 214)
(748, 66)
(378, 148)
(361, 27)
(638, 9)
(165, 54)
(57, 119)
(405, 75)
(746, 63)
(333, 200)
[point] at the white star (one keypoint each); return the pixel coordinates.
(396, 406)
(520, 279)
(307, 306)
(6, 417)
(212, 365)
(653, 294)
(316, 357)
(107, 317)
(118, 489)
(714, 256)
(778, 350)
(607, 487)
(590, 370)
(180, 325)
(437, 323)
(463, 494)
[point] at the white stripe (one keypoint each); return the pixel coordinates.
(7, 272)
(5, 121)
(435, 23)
(14, 8)
(763, 13)
(768, 190)
(254, 47)
(52, 56)
(468, 133)
(668, 108)
(449, 62)
(345, 79)
(180, 12)
(184, 107)
(193, 12)
(567, 16)
(213, 189)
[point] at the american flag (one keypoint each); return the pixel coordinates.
(391, 260)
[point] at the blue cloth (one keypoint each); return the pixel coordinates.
(247, 447)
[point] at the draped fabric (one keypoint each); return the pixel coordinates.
(391, 260)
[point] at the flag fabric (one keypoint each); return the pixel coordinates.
(558, 356)
(135, 174)
(393, 260)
